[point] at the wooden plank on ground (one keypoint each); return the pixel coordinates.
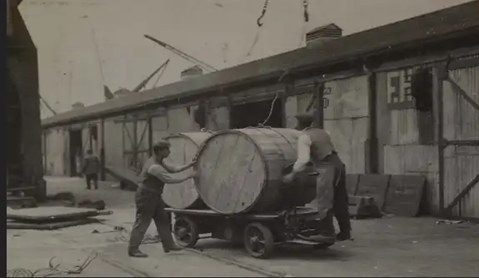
(374, 185)
(50, 214)
(49, 226)
(404, 195)
(352, 181)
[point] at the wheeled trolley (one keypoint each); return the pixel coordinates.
(259, 233)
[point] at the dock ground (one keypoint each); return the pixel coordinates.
(392, 246)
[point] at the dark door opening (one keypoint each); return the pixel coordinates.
(255, 113)
(93, 139)
(14, 136)
(75, 152)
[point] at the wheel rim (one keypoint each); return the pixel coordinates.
(256, 241)
(183, 231)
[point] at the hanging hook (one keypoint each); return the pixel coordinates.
(306, 14)
(263, 12)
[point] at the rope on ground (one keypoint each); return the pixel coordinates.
(123, 236)
(52, 269)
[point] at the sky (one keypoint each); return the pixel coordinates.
(84, 44)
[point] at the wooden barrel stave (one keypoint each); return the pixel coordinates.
(259, 156)
(184, 147)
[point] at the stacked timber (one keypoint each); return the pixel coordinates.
(184, 147)
(241, 170)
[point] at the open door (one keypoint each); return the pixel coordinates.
(76, 152)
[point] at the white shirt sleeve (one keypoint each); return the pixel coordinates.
(304, 153)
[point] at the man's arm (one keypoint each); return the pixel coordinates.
(161, 174)
(173, 168)
(304, 153)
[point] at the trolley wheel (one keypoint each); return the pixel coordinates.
(258, 240)
(322, 246)
(185, 231)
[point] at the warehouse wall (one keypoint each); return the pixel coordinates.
(461, 124)
(346, 114)
(56, 152)
(406, 135)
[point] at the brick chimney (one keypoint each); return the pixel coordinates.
(191, 73)
(323, 34)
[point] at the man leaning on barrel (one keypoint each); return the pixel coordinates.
(315, 145)
(149, 204)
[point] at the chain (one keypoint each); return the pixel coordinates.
(263, 12)
(306, 14)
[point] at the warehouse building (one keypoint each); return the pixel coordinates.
(397, 99)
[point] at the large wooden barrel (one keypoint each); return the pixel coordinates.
(240, 170)
(184, 147)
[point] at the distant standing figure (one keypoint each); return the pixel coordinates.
(91, 167)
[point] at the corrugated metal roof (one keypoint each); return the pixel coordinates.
(432, 26)
(326, 26)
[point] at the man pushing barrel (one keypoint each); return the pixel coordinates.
(315, 145)
(150, 205)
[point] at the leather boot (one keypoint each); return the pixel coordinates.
(137, 254)
(342, 236)
(174, 248)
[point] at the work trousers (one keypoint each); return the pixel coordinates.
(331, 193)
(91, 177)
(149, 205)
(341, 202)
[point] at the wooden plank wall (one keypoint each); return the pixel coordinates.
(57, 161)
(461, 122)
(113, 143)
(346, 116)
(405, 135)
(181, 119)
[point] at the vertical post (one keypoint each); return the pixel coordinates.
(372, 147)
(438, 75)
(44, 135)
(320, 105)
(149, 122)
(102, 150)
(135, 142)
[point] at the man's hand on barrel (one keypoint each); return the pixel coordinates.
(193, 174)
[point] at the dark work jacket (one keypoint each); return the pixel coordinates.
(91, 165)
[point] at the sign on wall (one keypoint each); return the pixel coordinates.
(399, 90)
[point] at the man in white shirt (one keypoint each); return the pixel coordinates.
(315, 145)
(149, 203)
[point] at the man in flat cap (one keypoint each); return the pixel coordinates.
(149, 203)
(315, 145)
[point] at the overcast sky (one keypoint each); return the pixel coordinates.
(74, 37)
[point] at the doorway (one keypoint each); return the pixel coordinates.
(255, 113)
(76, 152)
(14, 136)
